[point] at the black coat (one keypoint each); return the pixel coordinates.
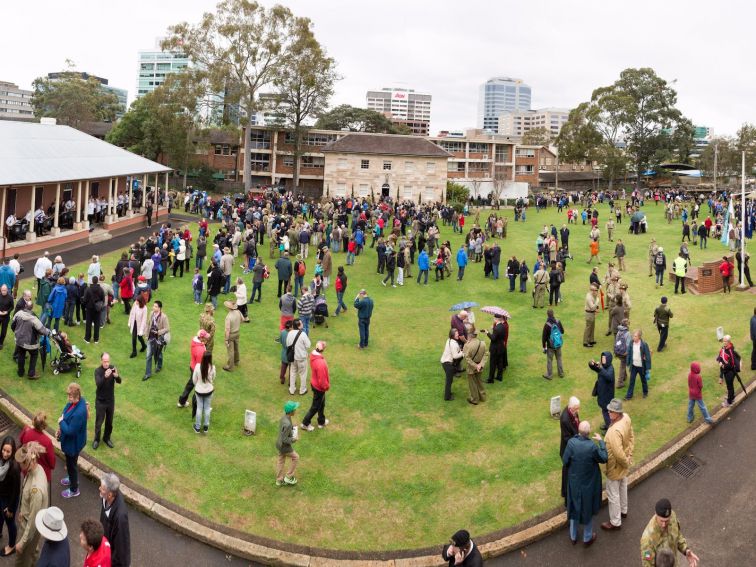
(473, 560)
(568, 431)
(116, 527)
(215, 281)
(604, 380)
(92, 295)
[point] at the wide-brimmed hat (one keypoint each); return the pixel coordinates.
(50, 524)
(615, 406)
(230, 304)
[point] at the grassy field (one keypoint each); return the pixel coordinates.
(398, 467)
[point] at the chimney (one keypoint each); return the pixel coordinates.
(48, 121)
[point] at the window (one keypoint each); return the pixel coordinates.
(524, 169)
(502, 153)
(218, 149)
(313, 161)
(340, 190)
(430, 167)
(525, 152)
(343, 163)
(259, 139)
(365, 164)
(386, 166)
(477, 148)
(288, 161)
(429, 194)
(458, 166)
(364, 189)
(407, 192)
(409, 166)
(38, 193)
(260, 162)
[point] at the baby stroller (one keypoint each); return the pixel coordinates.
(320, 311)
(67, 357)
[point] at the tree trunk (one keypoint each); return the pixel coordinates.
(248, 155)
(297, 153)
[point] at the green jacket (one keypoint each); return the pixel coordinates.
(662, 315)
(654, 539)
(285, 435)
(45, 287)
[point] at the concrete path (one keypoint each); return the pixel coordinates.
(716, 507)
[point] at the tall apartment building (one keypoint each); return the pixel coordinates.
(402, 106)
(498, 95)
(15, 103)
(121, 94)
(155, 65)
(517, 122)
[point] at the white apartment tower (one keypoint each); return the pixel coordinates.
(402, 106)
(500, 94)
(517, 122)
(155, 65)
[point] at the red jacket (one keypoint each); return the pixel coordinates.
(46, 459)
(127, 287)
(725, 268)
(197, 350)
(352, 246)
(101, 557)
(319, 372)
(695, 384)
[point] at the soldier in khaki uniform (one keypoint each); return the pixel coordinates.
(663, 532)
(232, 331)
(652, 250)
(207, 323)
(475, 355)
(541, 280)
(612, 291)
(33, 499)
(591, 308)
(625, 299)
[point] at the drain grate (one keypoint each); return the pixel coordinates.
(687, 466)
(5, 423)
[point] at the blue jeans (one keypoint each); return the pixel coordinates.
(495, 271)
(227, 284)
(153, 352)
(72, 469)
(422, 273)
(214, 301)
(298, 285)
(460, 272)
(702, 407)
(523, 285)
(68, 312)
(197, 296)
(116, 291)
(659, 276)
(587, 530)
(634, 371)
(350, 258)
(198, 261)
(305, 323)
(364, 326)
(203, 409)
(256, 288)
(512, 281)
(154, 280)
(340, 302)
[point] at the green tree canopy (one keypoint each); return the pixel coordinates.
(346, 117)
(540, 136)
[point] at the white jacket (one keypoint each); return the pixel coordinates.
(302, 348)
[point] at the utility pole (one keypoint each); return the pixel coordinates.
(716, 155)
(742, 286)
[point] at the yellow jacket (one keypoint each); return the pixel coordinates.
(620, 442)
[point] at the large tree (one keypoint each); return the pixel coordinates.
(540, 136)
(72, 100)
(238, 51)
(304, 87)
(346, 117)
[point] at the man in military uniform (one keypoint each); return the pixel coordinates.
(626, 303)
(475, 357)
(612, 291)
(652, 251)
(591, 307)
(33, 499)
(207, 323)
(541, 280)
(663, 532)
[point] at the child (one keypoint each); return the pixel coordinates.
(695, 385)
(197, 286)
(287, 435)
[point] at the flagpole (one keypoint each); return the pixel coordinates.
(742, 286)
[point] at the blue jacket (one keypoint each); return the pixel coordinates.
(364, 307)
(582, 457)
(359, 237)
(461, 258)
(72, 292)
(645, 355)
(7, 276)
(73, 428)
(57, 300)
(423, 262)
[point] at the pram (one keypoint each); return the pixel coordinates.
(320, 311)
(65, 361)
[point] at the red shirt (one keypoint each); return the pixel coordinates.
(724, 268)
(100, 557)
(46, 459)
(319, 375)
(197, 350)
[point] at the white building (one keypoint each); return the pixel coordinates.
(15, 103)
(402, 106)
(155, 65)
(516, 123)
(501, 94)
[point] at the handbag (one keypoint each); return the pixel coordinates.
(290, 349)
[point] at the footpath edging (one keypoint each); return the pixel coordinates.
(179, 521)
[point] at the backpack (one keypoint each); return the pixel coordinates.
(659, 259)
(555, 337)
(290, 348)
(301, 269)
(620, 343)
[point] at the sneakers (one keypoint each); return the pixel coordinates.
(279, 483)
(196, 428)
(308, 427)
(180, 405)
(205, 429)
(322, 426)
(68, 493)
(291, 481)
(65, 481)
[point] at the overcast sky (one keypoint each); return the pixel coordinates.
(562, 49)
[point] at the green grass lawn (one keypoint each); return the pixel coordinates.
(398, 467)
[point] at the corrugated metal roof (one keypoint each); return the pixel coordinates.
(45, 153)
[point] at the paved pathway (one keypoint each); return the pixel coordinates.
(716, 507)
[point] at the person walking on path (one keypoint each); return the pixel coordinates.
(72, 434)
(662, 315)
(94, 543)
(203, 379)
(620, 253)
(620, 444)
(232, 331)
(364, 306)
(34, 497)
(552, 338)
(582, 458)
(321, 383)
(299, 342)
(51, 526)
(114, 517)
(451, 356)
(475, 356)
(158, 338)
(286, 438)
(662, 533)
(499, 335)
(462, 551)
(591, 308)
(695, 397)
(106, 377)
(461, 262)
(569, 421)
(680, 268)
(594, 246)
(37, 434)
(729, 363)
(604, 387)
(660, 266)
(639, 362)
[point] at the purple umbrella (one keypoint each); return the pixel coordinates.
(493, 310)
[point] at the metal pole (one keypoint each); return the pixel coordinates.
(716, 155)
(742, 224)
